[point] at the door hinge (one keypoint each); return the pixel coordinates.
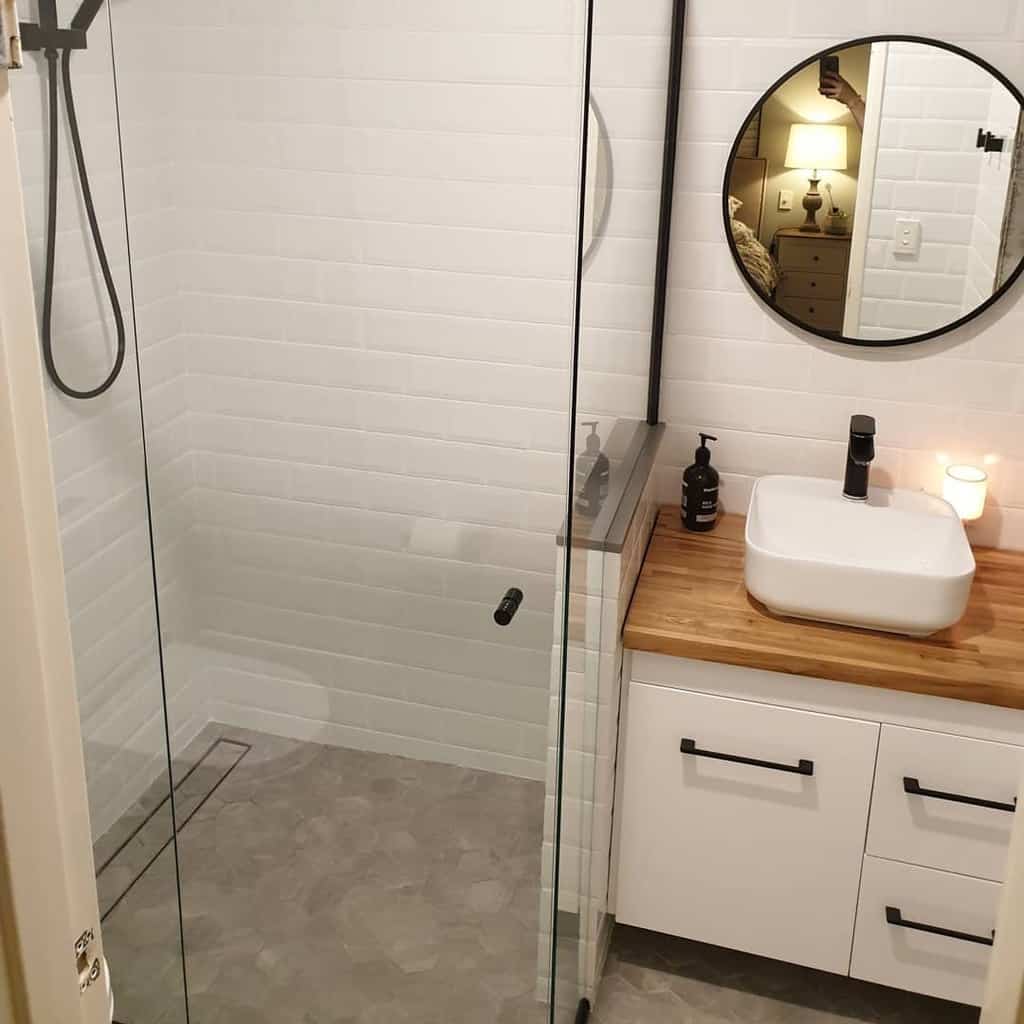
(88, 965)
(10, 39)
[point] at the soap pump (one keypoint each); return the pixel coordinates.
(700, 490)
(592, 474)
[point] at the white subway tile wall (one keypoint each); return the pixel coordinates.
(994, 191)
(377, 208)
(780, 399)
(929, 170)
(352, 235)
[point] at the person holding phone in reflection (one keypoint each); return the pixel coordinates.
(835, 87)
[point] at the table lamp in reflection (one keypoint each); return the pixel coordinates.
(814, 148)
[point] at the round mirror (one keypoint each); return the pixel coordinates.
(875, 194)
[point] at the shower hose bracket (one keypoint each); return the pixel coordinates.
(36, 37)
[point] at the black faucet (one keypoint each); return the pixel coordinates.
(859, 454)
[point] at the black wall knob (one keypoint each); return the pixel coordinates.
(506, 610)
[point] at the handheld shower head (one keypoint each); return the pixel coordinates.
(57, 45)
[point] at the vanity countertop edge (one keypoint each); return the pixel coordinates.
(691, 602)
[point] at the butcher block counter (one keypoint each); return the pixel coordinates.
(691, 602)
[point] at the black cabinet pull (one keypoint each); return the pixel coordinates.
(895, 918)
(803, 767)
(508, 606)
(912, 786)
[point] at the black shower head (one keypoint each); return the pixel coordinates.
(86, 14)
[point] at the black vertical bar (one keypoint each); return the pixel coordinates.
(668, 175)
(48, 15)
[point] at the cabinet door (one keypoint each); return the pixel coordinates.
(761, 854)
(925, 931)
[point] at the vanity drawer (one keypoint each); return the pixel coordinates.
(808, 285)
(823, 314)
(816, 253)
(936, 827)
(891, 948)
(754, 856)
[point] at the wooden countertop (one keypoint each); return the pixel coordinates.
(691, 602)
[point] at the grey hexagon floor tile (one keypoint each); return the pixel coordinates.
(330, 886)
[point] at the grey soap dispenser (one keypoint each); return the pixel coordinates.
(592, 474)
(700, 490)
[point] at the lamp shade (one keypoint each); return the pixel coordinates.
(819, 147)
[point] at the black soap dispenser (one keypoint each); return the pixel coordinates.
(592, 475)
(700, 490)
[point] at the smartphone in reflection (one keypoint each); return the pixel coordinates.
(827, 66)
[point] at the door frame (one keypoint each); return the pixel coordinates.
(870, 134)
(47, 878)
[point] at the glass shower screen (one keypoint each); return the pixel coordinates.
(343, 244)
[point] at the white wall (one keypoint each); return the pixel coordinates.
(779, 399)
(352, 250)
(996, 172)
(928, 170)
(376, 213)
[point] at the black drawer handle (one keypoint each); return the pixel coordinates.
(803, 767)
(912, 786)
(894, 917)
(508, 606)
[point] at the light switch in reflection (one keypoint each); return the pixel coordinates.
(907, 238)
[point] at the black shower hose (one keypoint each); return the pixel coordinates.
(51, 232)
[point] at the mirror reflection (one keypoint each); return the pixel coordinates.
(876, 194)
(600, 182)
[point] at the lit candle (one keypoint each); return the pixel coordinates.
(965, 487)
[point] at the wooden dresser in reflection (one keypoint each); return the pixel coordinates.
(813, 285)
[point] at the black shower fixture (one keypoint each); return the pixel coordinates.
(57, 43)
(49, 35)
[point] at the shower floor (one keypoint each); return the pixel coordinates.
(322, 885)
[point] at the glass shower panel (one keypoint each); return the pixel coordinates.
(353, 233)
(100, 477)
(621, 214)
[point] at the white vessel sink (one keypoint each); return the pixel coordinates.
(899, 562)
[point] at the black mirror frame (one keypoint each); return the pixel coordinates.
(749, 281)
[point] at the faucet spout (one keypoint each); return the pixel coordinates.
(860, 453)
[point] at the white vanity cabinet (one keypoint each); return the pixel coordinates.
(851, 829)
